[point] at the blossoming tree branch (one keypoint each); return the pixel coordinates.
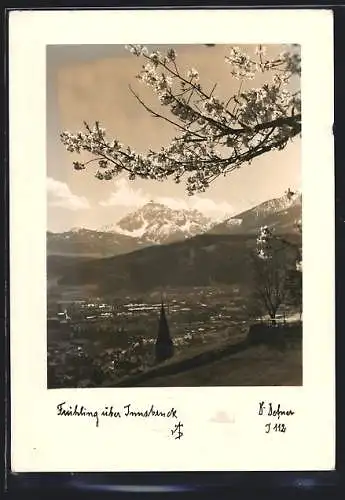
(214, 136)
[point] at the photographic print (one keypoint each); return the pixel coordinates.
(165, 167)
(174, 215)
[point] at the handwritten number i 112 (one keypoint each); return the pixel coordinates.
(275, 428)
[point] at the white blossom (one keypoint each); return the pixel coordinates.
(193, 74)
(137, 50)
(214, 136)
(260, 50)
(171, 55)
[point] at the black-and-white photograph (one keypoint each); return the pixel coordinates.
(174, 215)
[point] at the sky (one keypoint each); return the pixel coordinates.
(89, 83)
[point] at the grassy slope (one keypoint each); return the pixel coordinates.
(255, 366)
(235, 362)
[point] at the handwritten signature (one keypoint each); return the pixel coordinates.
(65, 409)
(275, 411)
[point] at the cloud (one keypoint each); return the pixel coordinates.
(207, 206)
(211, 207)
(60, 195)
(125, 195)
(173, 203)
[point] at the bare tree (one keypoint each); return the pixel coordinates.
(273, 261)
(294, 289)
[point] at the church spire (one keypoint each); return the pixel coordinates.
(164, 344)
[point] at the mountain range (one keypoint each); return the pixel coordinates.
(152, 224)
(170, 252)
(155, 224)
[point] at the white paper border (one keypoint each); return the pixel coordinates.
(41, 441)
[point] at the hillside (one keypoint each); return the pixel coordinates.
(236, 362)
(256, 366)
(58, 265)
(200, 261)
(89, 243)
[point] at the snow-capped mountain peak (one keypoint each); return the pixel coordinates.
(279, 204)
(157, 223)
(281, 213)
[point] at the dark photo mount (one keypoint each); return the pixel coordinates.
(224, 484)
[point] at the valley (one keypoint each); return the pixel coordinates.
(106, 291)
(99, 340)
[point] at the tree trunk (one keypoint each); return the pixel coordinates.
(273, 318)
